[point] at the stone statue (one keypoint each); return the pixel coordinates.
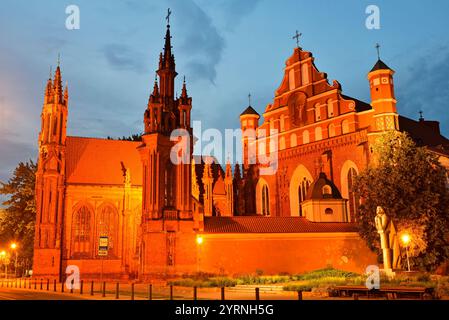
(381, 221)
(388, 240)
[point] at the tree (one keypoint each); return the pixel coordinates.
(17, 220)
(411, 185)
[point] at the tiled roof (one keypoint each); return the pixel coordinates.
(257, 224)
(359, 105)
(98, 161)
(249, 110)
(424, 133)
(380, 65)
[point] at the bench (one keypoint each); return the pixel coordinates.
(394, 292)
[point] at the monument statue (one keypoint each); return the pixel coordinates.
(388, 240)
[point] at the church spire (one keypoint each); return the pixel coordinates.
(167, 67)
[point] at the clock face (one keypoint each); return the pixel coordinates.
(297, 109)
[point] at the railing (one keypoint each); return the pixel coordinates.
(134, 291)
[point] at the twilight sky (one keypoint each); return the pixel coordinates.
(225, 48)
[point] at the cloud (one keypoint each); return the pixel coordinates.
(236, 10)
(427, 87)
(122, 57)
(13, 152)
(200, 40)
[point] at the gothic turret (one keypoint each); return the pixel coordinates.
(50, 178)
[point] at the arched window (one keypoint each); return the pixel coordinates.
(331, 130)
(305, 74)
(353, 197)
(107, 224)
(169, 181)
(282, 143)
(302, 192)
(81, 233)
(305, 137)
(327, 191)
(293, 141)
(330, 108)
(317, 112)
(345, 127)
(282, 129)
(265, 201)
(291, 79)
(318, 134)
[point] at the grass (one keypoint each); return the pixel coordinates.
(319, 280)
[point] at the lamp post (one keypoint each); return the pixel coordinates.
(14, 248)
(199, 242)
(3, 257)
(406, 241)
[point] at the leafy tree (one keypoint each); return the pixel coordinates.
(411, 185)
(17, 219)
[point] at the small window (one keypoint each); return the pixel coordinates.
(328, 211)
(327, 190)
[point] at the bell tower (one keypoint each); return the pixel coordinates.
(166, 152)
(383, 99)
(50, 179)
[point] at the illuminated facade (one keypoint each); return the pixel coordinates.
(151, 210)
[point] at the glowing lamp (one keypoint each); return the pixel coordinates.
(405, 239)
(199, 240)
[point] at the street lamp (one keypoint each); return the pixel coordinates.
(3, 257)
(13, 247)
(406, 239)
(199, 242)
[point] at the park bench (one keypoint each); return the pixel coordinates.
(397, 292)
(393, 292)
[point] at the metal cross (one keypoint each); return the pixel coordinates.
(249, 99)
(297, 36)
(168, 16)
(378, 50)
(421, 115)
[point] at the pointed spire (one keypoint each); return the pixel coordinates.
(184, 89)
(66, 92)
(57, 83)
(49, 88)
(228, 169)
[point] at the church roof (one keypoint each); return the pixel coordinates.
(316, 189)
(258, 224)
(380, 65)
(98, 161)
(424, 133)
(248, 111)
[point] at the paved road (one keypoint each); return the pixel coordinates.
(17, 294)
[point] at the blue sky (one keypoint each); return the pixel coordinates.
(225, 48)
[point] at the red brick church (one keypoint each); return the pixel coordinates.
(125, 203)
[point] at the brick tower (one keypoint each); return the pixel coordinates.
(50, 180)
(166, 193)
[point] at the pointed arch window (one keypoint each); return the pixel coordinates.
(81, 233)
(302, 192)
(265, 201)
(107, 224)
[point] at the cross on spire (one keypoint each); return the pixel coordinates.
(168, 16)
(378, 51)
(59, 59)
(421, 117)
(249, 99)
(297, 36)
